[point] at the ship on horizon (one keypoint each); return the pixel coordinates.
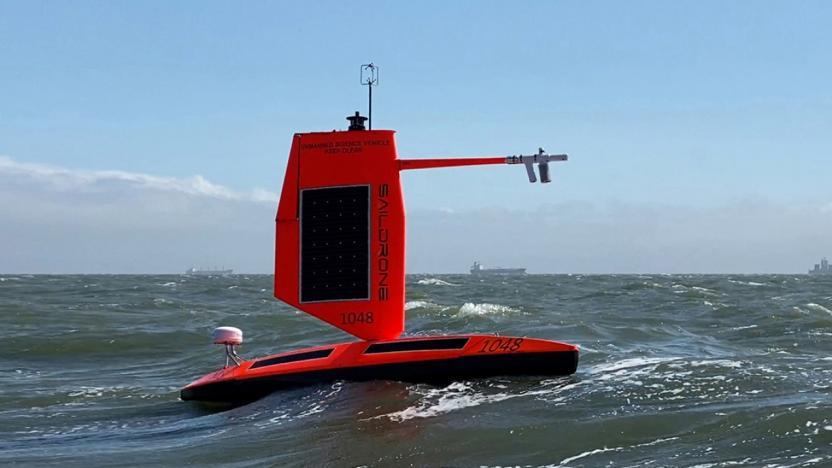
(478, 269)
(208, 272)
(821, 268)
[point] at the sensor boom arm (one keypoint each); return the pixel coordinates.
(541, 159)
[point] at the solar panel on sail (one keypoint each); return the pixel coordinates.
(335, 247)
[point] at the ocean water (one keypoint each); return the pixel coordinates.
(698, 370)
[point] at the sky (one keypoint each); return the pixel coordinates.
(149, 137)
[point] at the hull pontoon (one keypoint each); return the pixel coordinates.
(436, 360)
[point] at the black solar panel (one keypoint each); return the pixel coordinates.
(421, 345)
(321, 353)
(335, 245)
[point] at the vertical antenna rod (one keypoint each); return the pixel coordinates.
(369, 78)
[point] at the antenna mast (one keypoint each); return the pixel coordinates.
(369, 78)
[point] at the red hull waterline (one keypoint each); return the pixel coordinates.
(437, 360)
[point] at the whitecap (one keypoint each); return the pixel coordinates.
(629, 363)
(818, 307)
(588, 453)
(566, 461)
(439, 401)
(746, 283)
(717, 362)
(470, 309)
(93, 392)
(458, 395)
(420, 305)
(434, 282)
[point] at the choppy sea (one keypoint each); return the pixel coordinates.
(682, 370)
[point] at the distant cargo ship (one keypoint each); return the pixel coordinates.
(478, 269)
(821, 268)
(203, 272)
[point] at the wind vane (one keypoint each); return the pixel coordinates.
(369, 78)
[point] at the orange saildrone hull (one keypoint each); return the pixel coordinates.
(439, 359)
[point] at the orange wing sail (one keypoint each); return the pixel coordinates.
(340, 242)
(340, 232)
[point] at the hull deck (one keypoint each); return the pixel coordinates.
(436, 360)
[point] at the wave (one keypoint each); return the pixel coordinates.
(629, 364)
(92, 374)
(469, 309)
(410, 305)
(566, 461)
(454, 397)
(731, 364)
(435, 282)
(461, 395)
(746, 283)
(693, 291)
(818, 307)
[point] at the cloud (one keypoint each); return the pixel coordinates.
(59, 220)
(63, 179)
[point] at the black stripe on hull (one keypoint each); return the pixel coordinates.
(321, 353)
(438, 371)
(420, 345)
